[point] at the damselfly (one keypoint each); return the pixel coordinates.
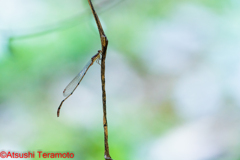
(71, 87)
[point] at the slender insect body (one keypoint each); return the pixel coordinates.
(71, 87)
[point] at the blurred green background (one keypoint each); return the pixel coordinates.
(172, 78)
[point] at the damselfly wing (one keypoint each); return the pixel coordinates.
(75, 82)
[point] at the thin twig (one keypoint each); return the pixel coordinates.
(71, 87)
(104, 42)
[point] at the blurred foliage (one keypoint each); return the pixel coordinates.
(32, 65)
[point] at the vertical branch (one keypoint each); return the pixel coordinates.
(107, 155)
(103, 37)
(104, 43)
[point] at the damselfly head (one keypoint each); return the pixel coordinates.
(96, 56)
